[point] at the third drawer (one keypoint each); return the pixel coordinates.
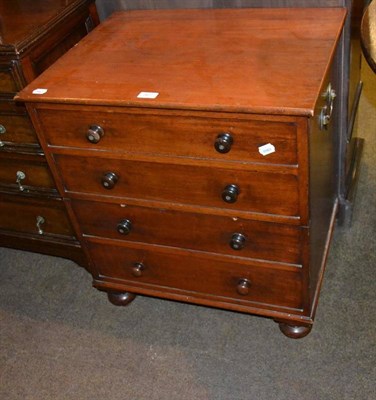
(25, 172)
(210, 233)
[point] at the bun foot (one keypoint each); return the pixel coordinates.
(294, 332)
(121, 299)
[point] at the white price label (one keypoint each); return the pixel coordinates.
(147, 95)
(40, 91)
(266, 149)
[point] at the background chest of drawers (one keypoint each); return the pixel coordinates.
(33, 34)
(216, 186)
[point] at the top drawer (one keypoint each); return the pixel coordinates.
(197, 135)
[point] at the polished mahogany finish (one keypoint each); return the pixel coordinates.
(218, 150)
(33, 34)
(210, 233)
(148, 131)
(163, 68)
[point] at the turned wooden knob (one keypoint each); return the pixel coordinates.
(124, 227)
(237, 241)
(138, 269)
(243, 287)
(94, 134)
(109, 180)
(230, 193)
(223, 143)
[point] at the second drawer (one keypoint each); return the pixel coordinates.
(210, 233)
(257, 191)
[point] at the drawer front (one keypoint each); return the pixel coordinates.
(210, 233)
(25, 172)
(39, 217)
(7, 82)
(17, 130)
(166, 134)
(195, 275)
(261, 192)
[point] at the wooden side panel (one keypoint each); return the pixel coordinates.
(323, 197)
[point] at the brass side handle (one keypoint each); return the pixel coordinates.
(327, 110)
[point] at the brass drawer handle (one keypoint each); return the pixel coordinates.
(244, 286)
(40, 222)
(20, 176)
(2, 130)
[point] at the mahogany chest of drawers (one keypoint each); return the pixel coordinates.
(33, 34)
(194, 151)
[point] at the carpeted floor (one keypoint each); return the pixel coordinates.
(61, 339)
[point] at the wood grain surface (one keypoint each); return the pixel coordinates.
(229, 60)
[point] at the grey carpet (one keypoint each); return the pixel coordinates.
(61, 339)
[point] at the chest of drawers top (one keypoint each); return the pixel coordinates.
(266, 61)
(24, 21)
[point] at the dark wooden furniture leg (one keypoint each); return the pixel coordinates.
(121, 299)
(294, 331)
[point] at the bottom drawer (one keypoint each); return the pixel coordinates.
(28, 215)
(224, 278)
